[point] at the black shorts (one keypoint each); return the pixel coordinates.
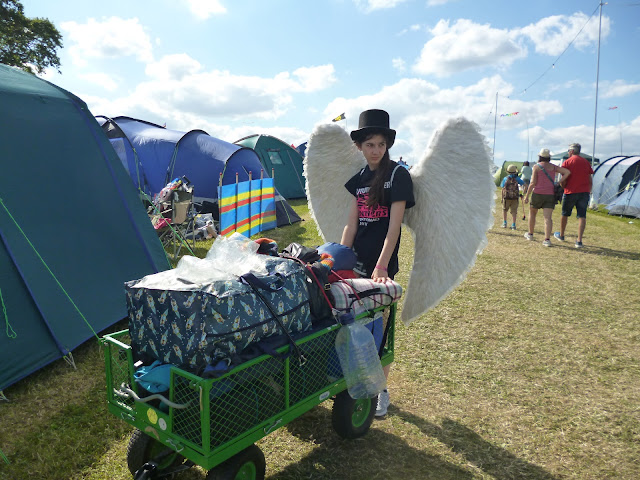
(578, 200)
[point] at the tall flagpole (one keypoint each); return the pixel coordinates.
(595, 115)
(620, 128)
(527, 118)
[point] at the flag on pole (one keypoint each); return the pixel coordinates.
(612, 108)
(339, 117)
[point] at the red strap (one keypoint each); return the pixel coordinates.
(355, 292)
(310, 270)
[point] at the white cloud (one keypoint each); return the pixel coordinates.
(102, 79)
(417, 107)
(313, 79)
(173, 67)
(399, 65)
(110, 38)
(369, 6)
(434, 3)
(552, 35)
(203, 9)
(607, 138)
(618, 88)
(465, 45)
(178, 88)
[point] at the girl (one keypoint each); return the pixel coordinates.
(382, 191)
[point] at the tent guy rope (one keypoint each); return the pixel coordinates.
(47, 267)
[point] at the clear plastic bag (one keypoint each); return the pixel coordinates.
(227, 259)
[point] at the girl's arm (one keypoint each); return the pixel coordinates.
(350, 229)
(565, 172)
(380, 275)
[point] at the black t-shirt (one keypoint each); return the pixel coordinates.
(373, 222)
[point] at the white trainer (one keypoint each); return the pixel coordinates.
(383, 403)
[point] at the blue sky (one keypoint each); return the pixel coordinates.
(280, 67)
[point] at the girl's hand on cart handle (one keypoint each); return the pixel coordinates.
(380, 274)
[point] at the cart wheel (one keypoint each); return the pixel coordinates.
(142, 449)
(352, 418)
(249, 464)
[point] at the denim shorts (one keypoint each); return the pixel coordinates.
(578, 200)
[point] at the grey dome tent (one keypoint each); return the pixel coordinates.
(612, 177)
(283, 160)
(627, 203)
(72, 228)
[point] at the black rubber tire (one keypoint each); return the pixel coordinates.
(352, 418)
(142, 448)
(249, 464)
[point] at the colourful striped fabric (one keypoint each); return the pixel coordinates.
(227, 203)
(268, 205)
(247, 207)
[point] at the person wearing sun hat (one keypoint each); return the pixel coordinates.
(381, 191)
(542, 196)
(510, 195)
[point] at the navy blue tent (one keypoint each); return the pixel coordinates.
(154, 155)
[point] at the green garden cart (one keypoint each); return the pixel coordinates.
(215, 422)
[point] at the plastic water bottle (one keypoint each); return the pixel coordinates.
(359, 359)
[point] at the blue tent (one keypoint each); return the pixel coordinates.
(154, 155)
(72, 227)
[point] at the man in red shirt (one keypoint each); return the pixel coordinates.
(577, 191)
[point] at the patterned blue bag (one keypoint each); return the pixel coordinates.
(193, 328)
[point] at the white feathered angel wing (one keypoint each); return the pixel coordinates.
(454, 193)
(331, 159)
(455, 196)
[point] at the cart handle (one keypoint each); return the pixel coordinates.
(126, 392)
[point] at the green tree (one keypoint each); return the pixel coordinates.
(28, 43)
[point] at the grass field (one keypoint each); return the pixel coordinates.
(530, 369)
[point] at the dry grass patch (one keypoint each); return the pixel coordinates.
(528, 370)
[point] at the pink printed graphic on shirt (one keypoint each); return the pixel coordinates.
(365, 211)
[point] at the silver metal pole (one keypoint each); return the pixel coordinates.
(595, 116)
(527, 118)
(620, 128)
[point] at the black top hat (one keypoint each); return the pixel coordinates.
(374, 121)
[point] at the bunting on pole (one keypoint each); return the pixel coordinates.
(612, 108)
(509, 114)
(339, 117)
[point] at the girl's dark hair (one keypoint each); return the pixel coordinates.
(526, 163)
(376, 190)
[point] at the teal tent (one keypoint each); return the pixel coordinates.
(72, 228)
(558, 158)
(281, 161)
(501, 172)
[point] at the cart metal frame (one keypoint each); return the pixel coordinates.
(208, 421)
